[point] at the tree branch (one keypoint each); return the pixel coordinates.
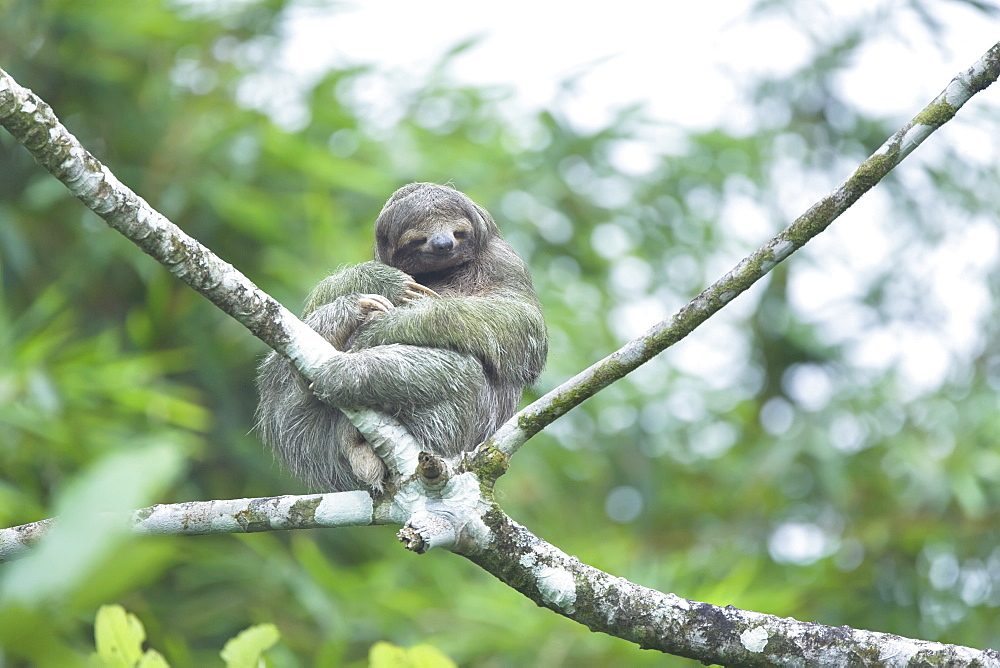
(708, 633)
(33, 123)
(563, 584)
(276, 513)
(749, 270)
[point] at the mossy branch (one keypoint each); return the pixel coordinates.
(33, 123)
(309, 511)
(562, 583)
(752, 268)
(708, 633)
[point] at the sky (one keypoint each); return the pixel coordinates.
(677, 59)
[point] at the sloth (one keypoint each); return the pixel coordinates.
(442, 330)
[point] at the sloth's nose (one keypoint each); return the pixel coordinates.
(442, 242)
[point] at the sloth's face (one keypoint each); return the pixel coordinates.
(433, 245)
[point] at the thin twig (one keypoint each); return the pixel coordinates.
(750, 269)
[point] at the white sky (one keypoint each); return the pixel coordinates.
(675, 57)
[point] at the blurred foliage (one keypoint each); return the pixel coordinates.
(118, 637)
(824, 449)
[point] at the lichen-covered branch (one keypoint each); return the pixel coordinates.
(661, 336)
(310, 511)
(552, 579)
(33, 123)
(709, 633)
(549, 577)
(16, 540)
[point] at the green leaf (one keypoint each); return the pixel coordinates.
(118, 635)
(428, 656)
(387, 655)
(245, 649)
(152, 659)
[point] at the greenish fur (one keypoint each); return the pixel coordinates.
(450, 368)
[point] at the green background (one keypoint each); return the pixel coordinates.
(121, 387)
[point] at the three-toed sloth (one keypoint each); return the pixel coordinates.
(442, 331)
